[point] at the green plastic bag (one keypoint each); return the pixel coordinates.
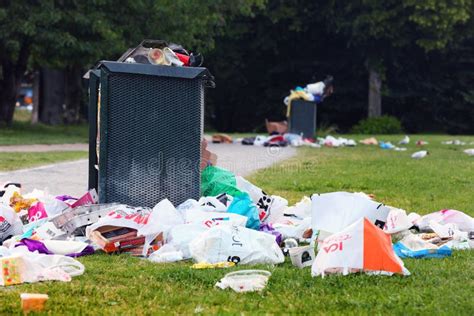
(215, 181)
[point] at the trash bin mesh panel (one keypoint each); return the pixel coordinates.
(303, 118)
(154, 130)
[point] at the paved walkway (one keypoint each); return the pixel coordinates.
(71, 177)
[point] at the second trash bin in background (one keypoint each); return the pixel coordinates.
(302, 119)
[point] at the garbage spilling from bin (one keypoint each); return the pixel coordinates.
(159, 52)
(234, 223)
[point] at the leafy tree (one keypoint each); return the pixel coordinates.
(73, 35)
(22, 22)
(293, 42)
(377, 29)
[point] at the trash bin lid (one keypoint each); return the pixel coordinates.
(157, 70)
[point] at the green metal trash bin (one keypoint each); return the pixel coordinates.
(146, 132)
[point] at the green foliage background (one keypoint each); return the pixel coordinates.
(260, 49)
(423, 50)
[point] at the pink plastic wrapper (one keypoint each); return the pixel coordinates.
(36, 212)
(88, 198)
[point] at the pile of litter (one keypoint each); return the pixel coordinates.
(406, 140)
(233, 223)
(296, 140)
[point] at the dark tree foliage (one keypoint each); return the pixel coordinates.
(419, 52)
(71, 35)
(421, 49)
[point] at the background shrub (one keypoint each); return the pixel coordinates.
(378, 125)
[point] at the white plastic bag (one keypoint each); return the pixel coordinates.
(293, 228)
(463, 221)
(301, 209)
(8, 193)
(213, 204)
(237, 244)
(165, 254)
(448, 231)
(180, 237)
(209, 219)
(34, 267)
(10, 223)
(398, 221)
(332, 212)
(270, 208)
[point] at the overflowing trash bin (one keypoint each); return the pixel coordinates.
(301, 106)
(146, 127)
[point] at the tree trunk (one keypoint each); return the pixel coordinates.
(375, 95)
(36, 98)
(8, 91)
(73, 94)
(51, 97)
(12, 73)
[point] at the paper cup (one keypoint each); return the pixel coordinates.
(302, 256)
(156, 56)
(33, 302)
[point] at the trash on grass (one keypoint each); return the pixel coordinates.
(221, 139)
(463, 221)
(219, 265)
(386, 145)
(10, 223)
(137, 231)
(57, 247)
(469, 152)
(412, 246)
(276, 127)
(33, 302)
(369, 141)
(398, 221)
(405, 140)
(420, 154)
(456, 142)
(302, 256)
(245, 280)
(166, 254)
(237, 244)
(332, 212)
(360, 247)
(22, 266)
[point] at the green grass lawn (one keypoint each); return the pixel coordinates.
(445, 179)
(23, 133)
(19, 160)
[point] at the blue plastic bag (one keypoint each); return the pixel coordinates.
(243, 205)
(403, 252)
